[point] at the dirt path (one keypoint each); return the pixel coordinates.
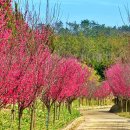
(103, 120)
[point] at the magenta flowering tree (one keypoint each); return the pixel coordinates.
(118, 77)
(52, 83)
(74, 81)
(64, 80)
(29, 71)
(22, 60)
(24, 77)
(5, 34)
(103, 91)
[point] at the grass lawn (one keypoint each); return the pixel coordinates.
(124, 114)
(65, 118)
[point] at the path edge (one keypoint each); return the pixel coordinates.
(75, 123)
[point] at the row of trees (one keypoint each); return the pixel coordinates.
(106, 49)
(30, 72)
(89, 28)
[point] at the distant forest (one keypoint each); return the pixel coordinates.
(89, 28)
(96, 45)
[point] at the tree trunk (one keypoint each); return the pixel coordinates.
(69, 107)
(56, 109)
(63, 105)
(20, 112)
(90, 102)
(102, 102)
(48, 118)
(86, 101)
(82, 99)
(121, 105)
(59, 112)
(54, 113)
(13, 113)
(126, 106)
(33, 117)
(79, 102)
(98, 103)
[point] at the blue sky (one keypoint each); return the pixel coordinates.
(102, 11)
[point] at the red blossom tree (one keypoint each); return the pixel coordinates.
(118, 77)
(22, 60)
(103, 91)
(74, 81)
(5, 34)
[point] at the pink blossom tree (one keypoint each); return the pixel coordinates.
(74, 81)
(118, 77)
(103, 91)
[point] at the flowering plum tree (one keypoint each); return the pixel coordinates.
(103, 91)
(118, 77)
(74, 81)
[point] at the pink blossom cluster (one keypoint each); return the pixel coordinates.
(103, 91)
(118, 77)
(27, 68)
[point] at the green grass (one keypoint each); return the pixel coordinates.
(124, 114)
(65, 118)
